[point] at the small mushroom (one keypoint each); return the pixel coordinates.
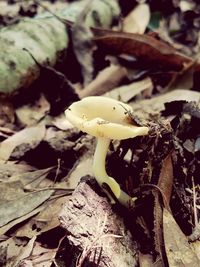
(106, 119)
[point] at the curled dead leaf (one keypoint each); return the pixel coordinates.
(146, 48)
(30, 135)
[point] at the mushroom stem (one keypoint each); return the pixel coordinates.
(99, 162)
(101, 175)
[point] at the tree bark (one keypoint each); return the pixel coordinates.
(95, 231)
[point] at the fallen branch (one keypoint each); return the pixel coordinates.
(95, 232)
(46, 37)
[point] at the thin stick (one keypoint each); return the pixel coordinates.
(194, 203)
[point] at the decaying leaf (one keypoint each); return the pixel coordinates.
(106, 80)
(23, 254)
(158, 235)
(17, 221)
(31, 136)
(196, 247)
(64, 94)
(61, 123)
(40, 256)
(14, 250)
(127, 92)
(10, 168)
(82, 168)
(31, 114)
(32, 180)
(178, 250)
(166, 178)
(157, 103)
(13, 197)
(144, 47)
(44, 221)
(161, 198)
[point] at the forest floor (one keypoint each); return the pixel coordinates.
(52, 211)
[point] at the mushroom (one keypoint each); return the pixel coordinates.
(106, 119)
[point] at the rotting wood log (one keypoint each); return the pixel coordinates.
(45, 36)
(95, 231)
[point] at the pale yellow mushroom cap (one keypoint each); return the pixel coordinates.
(104, 117)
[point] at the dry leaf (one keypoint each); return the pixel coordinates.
(13, 197)
(106, 80)
(157, 102)
(127, 92)
(186, 5)
(62, 123)
(33, 180)
(31, 114)
(82, 167)
(46, 220)
(16, 250)
(8, 169)
(40, 257)
(32, 136)
(137, 20)
(12, 248)
(178, 250)
(158, 236)
(166, 178)
(23, 254)
(9, 225)
(196, 247)
(146, 48)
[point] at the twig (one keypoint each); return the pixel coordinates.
(194, 203)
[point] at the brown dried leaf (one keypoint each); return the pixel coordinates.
(165, 183)
(144, 47)
(158, 236)
(166, 178)
(179, 251)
